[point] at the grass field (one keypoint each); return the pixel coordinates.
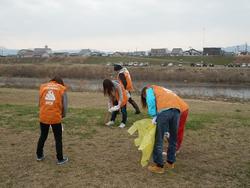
(215, 152)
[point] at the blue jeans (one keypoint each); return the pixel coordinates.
(167, 121)
(124, 114)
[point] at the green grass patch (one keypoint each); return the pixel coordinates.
(84, 122)
(199, 121)
(241, 121)
(19, 117)
(79, 122)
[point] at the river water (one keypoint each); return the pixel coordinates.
(196, 90)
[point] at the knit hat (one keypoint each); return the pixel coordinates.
(117, 67)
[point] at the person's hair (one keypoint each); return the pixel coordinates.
(58, 80)
(143, 97)
(108, 87)
(117, 67)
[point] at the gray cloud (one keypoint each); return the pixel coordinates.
(123, 24)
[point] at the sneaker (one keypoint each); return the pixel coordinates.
(156, 169)
(168, 166)
(64, 160)
(40, 158)
(122, 125)
(110, 123)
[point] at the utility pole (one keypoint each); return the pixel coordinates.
(203, 37)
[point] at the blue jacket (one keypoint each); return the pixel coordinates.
(151, 102)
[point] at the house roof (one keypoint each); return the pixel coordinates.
(85, 51)
(41, 51)
(165, 50)
(177, 50)
(190, 51)
(24, 51)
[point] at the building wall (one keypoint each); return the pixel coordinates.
(212, 51)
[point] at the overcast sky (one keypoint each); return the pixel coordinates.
(123, 24)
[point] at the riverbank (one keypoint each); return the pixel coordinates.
(218, 75)
(231, 92)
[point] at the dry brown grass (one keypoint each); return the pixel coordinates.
(216, 155)
(44, 71)
(185, 74)
(66, 60)
(242, 59)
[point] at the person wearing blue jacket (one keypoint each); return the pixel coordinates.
(165, 107)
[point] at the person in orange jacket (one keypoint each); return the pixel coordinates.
(125, 80)
(166, 109)
(53, 107)
(117, 101)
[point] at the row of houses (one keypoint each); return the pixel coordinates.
(174, 52)
(161, 52)
(207, 51)
(37, 52)
(47, 52)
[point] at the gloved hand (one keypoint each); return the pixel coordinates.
(154, 120)
(114, 108)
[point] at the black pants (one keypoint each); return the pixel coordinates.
(57, 130)
(133, 103)
(124, 114)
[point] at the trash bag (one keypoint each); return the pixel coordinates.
(146, 138)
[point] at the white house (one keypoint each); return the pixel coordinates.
(159, 52)
(85, 52)
(42, 52)
(177, 52)
(25, 53)
(192, 52)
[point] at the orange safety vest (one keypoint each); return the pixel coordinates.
(128, 80)
(124, 95)
(168, 99)
(50, 102)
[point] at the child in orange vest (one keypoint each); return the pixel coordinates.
(53, 107)
(165, 107)
(117, 101)
(125, 80)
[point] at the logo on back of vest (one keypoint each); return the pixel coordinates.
(50, 97)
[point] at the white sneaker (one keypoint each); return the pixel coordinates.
(110, 123)
(122, 125)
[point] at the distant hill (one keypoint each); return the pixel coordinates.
(5, 51)
(237, 48)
